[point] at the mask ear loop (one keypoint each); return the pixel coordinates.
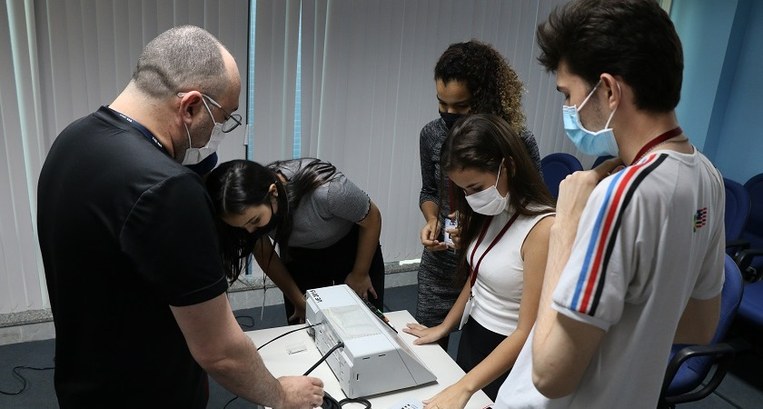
(497, 178)
(590, 94)
(612, 115)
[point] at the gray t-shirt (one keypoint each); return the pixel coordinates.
(326, 214)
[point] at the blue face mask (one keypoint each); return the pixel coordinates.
(591, 143)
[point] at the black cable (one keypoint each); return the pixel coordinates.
(287, 333)
(229, 402)
(249, 317)
(362, 401)
(21, 378)
(329, 402)
(338, 345)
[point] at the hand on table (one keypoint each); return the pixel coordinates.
(424, 334)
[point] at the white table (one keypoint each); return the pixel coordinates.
(282, 359)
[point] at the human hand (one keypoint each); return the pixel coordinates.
(429, 234)
(575, 190)
(452, 397)
(300, 392)
(424, 334)
(361, 284)
(298, 317)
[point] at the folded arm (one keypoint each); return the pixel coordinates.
(563, 347)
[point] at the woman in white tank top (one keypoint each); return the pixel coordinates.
(505, 212)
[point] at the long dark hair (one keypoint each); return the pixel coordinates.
(310, 174)
(235, 186)
(482, 142)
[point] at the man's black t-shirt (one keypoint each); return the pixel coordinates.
(125, 232)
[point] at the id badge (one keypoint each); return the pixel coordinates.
(467, 311)
(449, 224)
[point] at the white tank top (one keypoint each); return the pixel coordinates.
(498, 289)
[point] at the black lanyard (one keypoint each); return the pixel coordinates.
(476, 268)
(142, 129)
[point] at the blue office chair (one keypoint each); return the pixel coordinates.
(689, 366)
(556, 167)
(737, 213)
(751, 307)
(750, 260)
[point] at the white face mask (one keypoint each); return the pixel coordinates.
(196, 155)
(489, 202)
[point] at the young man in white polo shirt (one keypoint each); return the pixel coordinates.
(635, 254)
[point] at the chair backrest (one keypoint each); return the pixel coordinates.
(694, 370)
(753, 231)
(737, 208)
(751, 307)
(556, 167)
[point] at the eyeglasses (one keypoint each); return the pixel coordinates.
(232, 121)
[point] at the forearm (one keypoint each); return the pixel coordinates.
(243, 373)
(563, 347)
(453, 318)
(285, 282)
(277, 272)
(216, 342)
(496, 363)
(430, 210)
(368, 240)
(559, 249)
(552, 355)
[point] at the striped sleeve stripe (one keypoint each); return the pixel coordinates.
(590, 283)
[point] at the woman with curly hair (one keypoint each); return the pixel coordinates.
(470, 77)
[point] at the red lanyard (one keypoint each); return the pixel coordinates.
(476, 268)
(451, 197)
(656, 141)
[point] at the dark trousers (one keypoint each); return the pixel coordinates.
(315, 268)
(477, 342)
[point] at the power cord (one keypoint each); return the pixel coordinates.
(245, 326)
(278, 337)
(21, 378)
(289, 332)
(338, 345)
(329, 402)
